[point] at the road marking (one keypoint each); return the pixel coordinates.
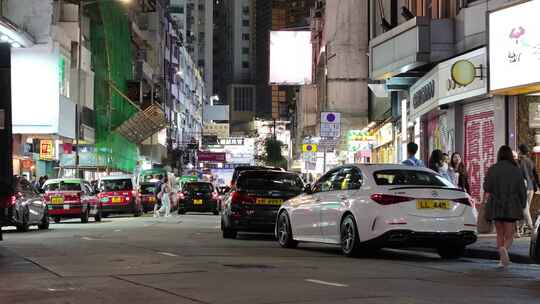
(87, 238)
(168, 254)
(326, 283)
(117, 230)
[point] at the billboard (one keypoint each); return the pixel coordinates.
(514, 42)
(290, 57)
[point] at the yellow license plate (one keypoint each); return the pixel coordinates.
(57, 200)
(152, 199)
(269, 201)
(197, 202)
(116, 199)
(432, 204)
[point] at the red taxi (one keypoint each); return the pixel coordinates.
(147, 195)
(117, 195)
(71, 198)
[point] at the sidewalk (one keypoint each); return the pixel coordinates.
(485, 248)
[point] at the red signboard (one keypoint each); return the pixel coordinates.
(211, 157)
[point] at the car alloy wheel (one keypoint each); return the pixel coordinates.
(284, 232)
(350, 243)
(44, 225)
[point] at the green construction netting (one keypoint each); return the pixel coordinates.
(112, 61)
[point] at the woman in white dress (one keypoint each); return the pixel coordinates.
(165, 197)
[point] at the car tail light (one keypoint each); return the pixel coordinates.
(241, 198)
(387, 199)
(215, 195)
(134, 192)
(8, 201)
(465, 201)
(181, 195)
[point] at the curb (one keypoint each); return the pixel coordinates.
(493, 255)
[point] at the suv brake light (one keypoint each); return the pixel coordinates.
(388, 199)
(240, 198)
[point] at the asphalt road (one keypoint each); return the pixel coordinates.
(183, 259)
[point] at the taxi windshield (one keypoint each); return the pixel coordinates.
(108, 185)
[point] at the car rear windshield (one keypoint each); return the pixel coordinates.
(198, 187)
(63, 186)
(148, 189)
(116, 185)
(277, 181)
(409, 178)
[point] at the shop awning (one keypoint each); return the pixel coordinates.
(143, 124)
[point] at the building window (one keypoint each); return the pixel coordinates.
(245, 51)
(245, 64)
(245, 36)
(201, 7)
(243, 99)
(245, 22)
(245, 10)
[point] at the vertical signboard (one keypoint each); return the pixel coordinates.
(46, 149)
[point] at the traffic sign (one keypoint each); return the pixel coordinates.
(309, 148)
(330, 124)
(328, 142)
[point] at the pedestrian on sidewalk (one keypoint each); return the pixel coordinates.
(437, 164)
(506, 197)
(529, 172)
(165, 197)
(461, 176)
(411, 160)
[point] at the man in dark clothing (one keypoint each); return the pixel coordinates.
(530, 174)
(157, 190)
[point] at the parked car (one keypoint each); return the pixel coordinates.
(71, 198)
(117, 195)
(24, 208)
(535, 243)
(253, 204)
(198, 197)
(147, 195)
(373, 206)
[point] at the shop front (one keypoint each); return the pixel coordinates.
(457, 115)
(514, 63)
(384, 149)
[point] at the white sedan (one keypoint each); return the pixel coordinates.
(362, 207)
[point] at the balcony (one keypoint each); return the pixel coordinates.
(412, 44)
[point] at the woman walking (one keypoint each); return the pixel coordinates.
(506, 198)
(460, 172)
(437, 164)
(165, 197)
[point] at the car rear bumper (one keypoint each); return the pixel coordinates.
(207, 206)
(7, 217)
(73, 211)
(264, 222)
(117, 208)
(409, 238)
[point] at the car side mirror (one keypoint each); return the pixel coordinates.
(307, 189)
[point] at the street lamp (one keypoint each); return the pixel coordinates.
(78, 106)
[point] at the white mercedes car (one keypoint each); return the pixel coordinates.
(364, 207)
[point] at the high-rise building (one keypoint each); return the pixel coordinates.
(235, 61)
(194, 20)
